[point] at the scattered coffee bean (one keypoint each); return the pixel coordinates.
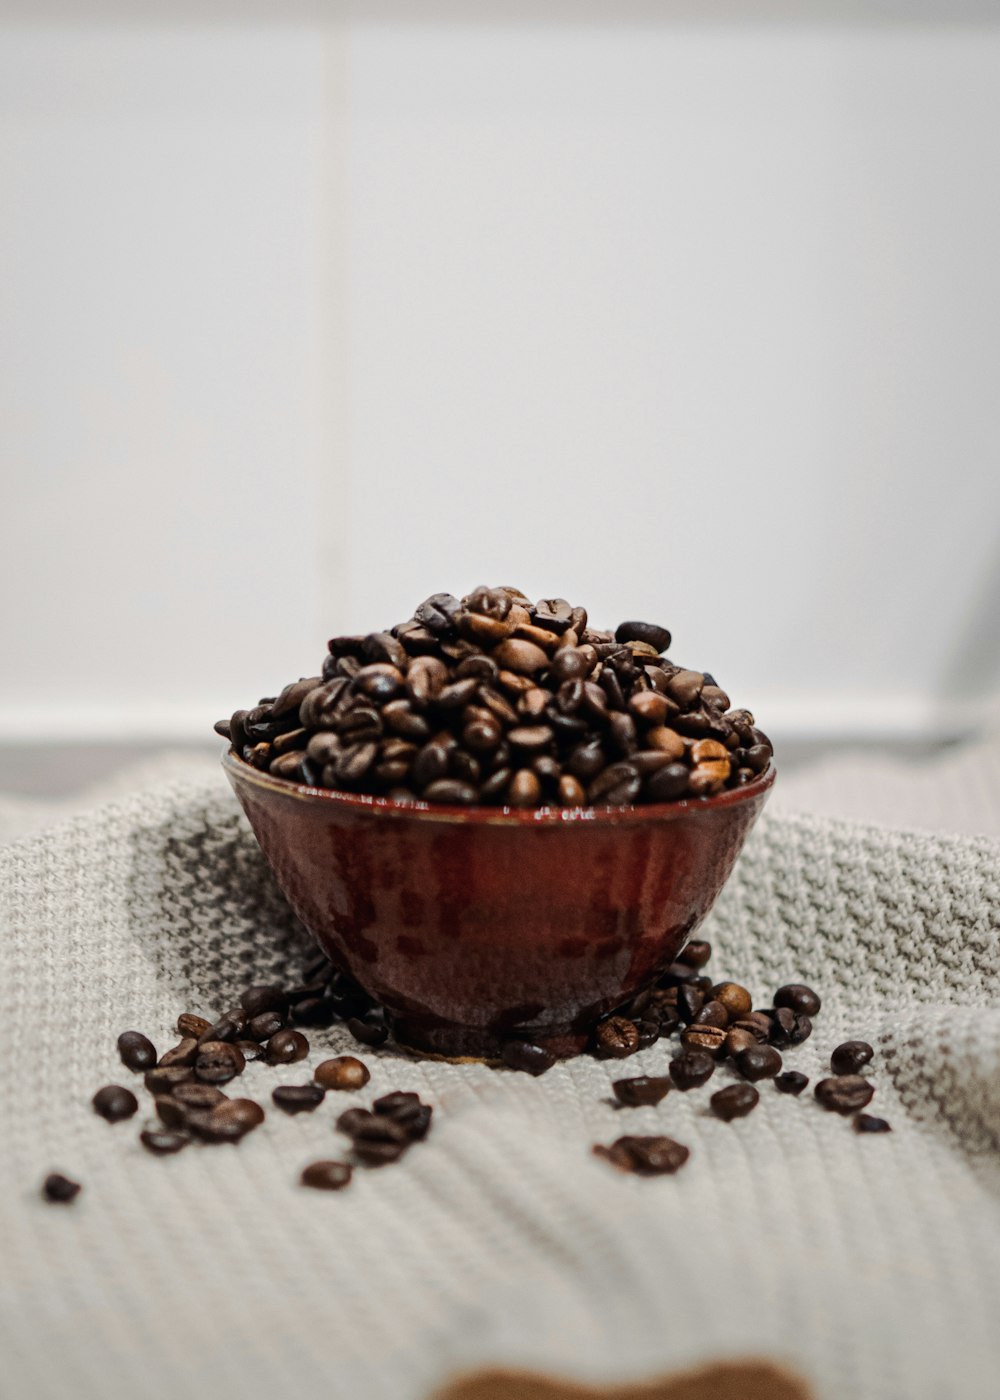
(734, 1101)
(713, 1013)
(526, 1056)
(326, 1176)
(115, 1103)
(191, 1027)
(343, 1072)
(250, 1050)
(163, 1081)
(845, 1094)
(758, 1062)
(690, 1000)
(163, 1142)
(734, 998)
(711, 1039)
(642, 1090)
(696, 953)
(371, 1033)
(791, 1082)
(182, 1054)
(298, 1098)
(136, 1051)
(59, 1189)
(851, 1057)
(407, 1112)
(868, 1123)
(217, 1062)
(692, 1069)
(287, 1047)
(229, 1121)
(615, 1038)
(646, 1156)
(263, 1026)
(798, 998)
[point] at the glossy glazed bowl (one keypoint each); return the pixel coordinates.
(476, 925)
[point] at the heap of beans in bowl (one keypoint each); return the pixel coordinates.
(494, 699)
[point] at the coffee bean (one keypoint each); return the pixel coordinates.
(343, 1072)
(656, 637)
(407, 1112)
(615, 1038)
(734, 1101)
(265, 1025)
(646, 1156)
(192, 1095)
(229, 1027)
(182, 1054)
(791, 1082)
(757, 1023)
(378, 1153)
(136, 1051)
(372, 1033)
(783, 1026)
(734, 998)
(218, 1062)
(711, 1039)
(298, 1098)
(250, 1050)
(850, 1057)
(228, 1121)
(759, 1062)
(164, 1081)
(115, 1103)
(264, 997)
(649, 1030)
(59, 1189)
(798, 998)
(690, 1000)
(696, 953)
(692, 1069)
(190, 1027)
(326, 1176)
(738, 1040)
(643, 1089)
(667, 784)
(713, 1013)
(526, 1056)
(867, 1123)
(163, 1142)
(525, 789)
(845, 1094)
(286, 1047)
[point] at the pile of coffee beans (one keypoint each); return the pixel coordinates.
(718, 1029)
(185, 1081)
(494, 699)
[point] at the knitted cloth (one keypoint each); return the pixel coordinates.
(870, 1265)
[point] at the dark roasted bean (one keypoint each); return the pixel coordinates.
(798, 998)
(845, 1094)
(326, 1176)
(182, 1054)
(136, 1051)
(298, 1098)
(692, 1069)
(265, 1025)
(656, 637)
(734, 1101)
(115, 1103)
(696, 953)
(690, 1000)
(713, 1013)
(192, 1095)
(734, 998)
(163, 1081)
(59, 1189)
(851, 1057)
(250, 1050)
(163, 1142)
(286, 1047)
(711, 1039)
(667, 784)
(371, 1033)
(343, 1072)
(868, 1123)
(791, 1082)
(616, 1038)
(643, 1089)
(264, 997)
(218, 1062)
(190, 1026)
(647, 1156)
(227, 1028)
(525, 1055)
(759, 1062)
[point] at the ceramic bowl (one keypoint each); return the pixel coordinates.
(476, 925)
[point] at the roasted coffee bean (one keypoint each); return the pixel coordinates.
(298, 1098)
(373, 1033)
(172, 1114)
(571, 791)
(524, 789)
(378, 1153)
(738, 1040)
(690, 1000)
(643, 1089)
(265, 1025)
(250, 1050)
(227, 1028)
(711, 1039)
(845, 1094)
(163, 1142)
(696, 953)
(264, 997)
(286, 1047)
(526, 1056)
(193, 1095)
(667, 784)
(713, 1013)
(646, 1156)
(326, 1176)
(851, 1057)
(734, 1101)
(136, 1051)
(798, 998)
(868, 1123)
(783, 1026)
(649, 1032)
(115, 1103)
(163, 1081)
(656, 637)
(218, 1062)
(451, 792)
(692, 1069)
(757, 1023)
(190, 1027)
(229, 1121)
(407, 1112)
(791, 1082)
(343, 1072)
(616, 1038)
(759, 1062)
(734, 998)
(182, 1054)
(59, 1189)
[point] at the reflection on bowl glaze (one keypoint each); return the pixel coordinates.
(474, 925)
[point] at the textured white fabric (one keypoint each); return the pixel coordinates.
(871, 1265)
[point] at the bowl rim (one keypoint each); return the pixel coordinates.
(238, 770)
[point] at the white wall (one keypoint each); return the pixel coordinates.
(700, 324)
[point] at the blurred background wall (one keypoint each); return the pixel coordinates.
(683, 312)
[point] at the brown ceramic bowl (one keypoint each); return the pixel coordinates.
(475, 925)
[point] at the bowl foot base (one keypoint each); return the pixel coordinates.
(465, 1044)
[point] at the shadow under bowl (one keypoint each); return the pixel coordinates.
(477, 925)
